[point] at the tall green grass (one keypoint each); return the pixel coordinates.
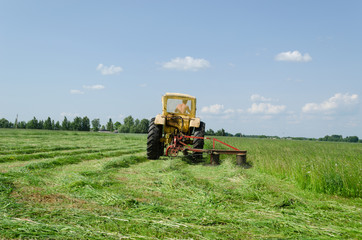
(324, 167)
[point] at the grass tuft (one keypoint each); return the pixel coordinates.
(124, 162)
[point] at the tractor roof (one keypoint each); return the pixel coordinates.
(179, 95)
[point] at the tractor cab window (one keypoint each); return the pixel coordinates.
(180, 106)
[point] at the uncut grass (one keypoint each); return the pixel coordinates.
(324, 167)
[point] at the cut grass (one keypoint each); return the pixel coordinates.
(60, 161)
(172, 199)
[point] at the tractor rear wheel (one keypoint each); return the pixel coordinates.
(199, 143)
(154, 145)
(162, 148)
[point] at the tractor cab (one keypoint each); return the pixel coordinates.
(178, 114)
(179, 104)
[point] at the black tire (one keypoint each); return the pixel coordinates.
(162, 148)
(154, 145)
(199, 143)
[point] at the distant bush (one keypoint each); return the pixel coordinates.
(5, 123)
(339, 138)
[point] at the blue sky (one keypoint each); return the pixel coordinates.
(286, 68)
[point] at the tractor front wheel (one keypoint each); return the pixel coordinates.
(154, 145)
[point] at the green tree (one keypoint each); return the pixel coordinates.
(22, 124)
(333, 138)
(85, 124)
(77, 124)
(4, 123)
(143, 126)
(117, 125)
(127, 125)
(57, 126)
(135, 127)
(32, 124)
(16, 121)
(220, 132)
(96, 124)
(65, 124)
(210, 132)
(41, 124)
(336, 138)
(351, 139)
(48, 124)
(228, 134)
(110, 126)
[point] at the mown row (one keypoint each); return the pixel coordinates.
(107, 189)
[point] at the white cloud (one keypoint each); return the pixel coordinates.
(266, 108)
(94, 87)
(143, 85)
(75, 91)
(217, 110)
(338, 102)
(111, 70)
(229, 111)
(213, 109)
(187, 64)
(294, 56)
(259, 98)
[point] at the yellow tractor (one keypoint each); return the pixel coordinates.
(176, 128)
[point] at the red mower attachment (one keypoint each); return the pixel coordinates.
(178, 145)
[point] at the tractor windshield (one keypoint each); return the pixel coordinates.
(180, 106)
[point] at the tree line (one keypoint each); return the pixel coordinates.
(129, 125)
(339, 138)
(332, 138)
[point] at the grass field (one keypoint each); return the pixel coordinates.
(76, 185)
(324, 167)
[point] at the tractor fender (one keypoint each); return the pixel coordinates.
(195, 122)
(160, 120)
